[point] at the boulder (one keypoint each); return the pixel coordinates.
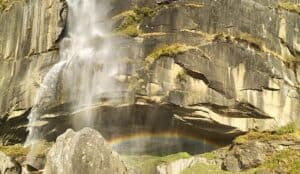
(247, 156)
(83, 152)
(8, 165)
(177, 166)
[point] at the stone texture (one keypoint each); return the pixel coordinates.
(28, 48)
(83, 152)
(178, 166)
(9, 166)
(242, 74)
(252, 154)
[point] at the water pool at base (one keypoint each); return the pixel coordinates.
(160, 144)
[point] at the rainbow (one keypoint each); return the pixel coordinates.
(163, 134)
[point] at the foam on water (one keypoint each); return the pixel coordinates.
(87, 66)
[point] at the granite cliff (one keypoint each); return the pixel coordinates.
(223, 67)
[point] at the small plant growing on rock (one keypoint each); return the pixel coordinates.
(290, 6)
(16, 150)
(287, 129)
(287, 132)
(6, 4)
(167, 50)
(286, 161)
(131, 20)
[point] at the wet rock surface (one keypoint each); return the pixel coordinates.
(237, 73)
(29, 35)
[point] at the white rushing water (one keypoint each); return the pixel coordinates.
(87, 63)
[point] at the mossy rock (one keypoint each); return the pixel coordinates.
(131, 19)
(167, 50)
(6, 4)
(287, 132)
(146, 164)
(18, 150)
(287, 161)
(290, 6)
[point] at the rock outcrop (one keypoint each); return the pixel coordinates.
(178, 166)
(29, 35)
(9, 166)
(255, 152)
(226, 66)
(83, 152)
(221, 66)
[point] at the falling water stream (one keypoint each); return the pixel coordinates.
(89, 68)
(87, 65)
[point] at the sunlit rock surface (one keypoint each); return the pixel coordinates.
(83, 152)
(29, 34)
(241, 71)
(8, 166)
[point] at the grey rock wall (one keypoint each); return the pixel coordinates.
(241, 71)
(28, 48)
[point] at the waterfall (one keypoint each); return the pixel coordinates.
(88, 65)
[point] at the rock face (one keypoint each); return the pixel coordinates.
(28, 48)
(254, 153)
(83, 152)
(8, 166)
(239, 68)
(178, 166)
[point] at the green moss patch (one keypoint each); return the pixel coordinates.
(288, 132)
(16, 150)
(286, 161)
(290, 6)
(41, 149)
(131, 20)
(146, 164)
(204, 169)
(6, 4)
(209, 155)
(166, 50)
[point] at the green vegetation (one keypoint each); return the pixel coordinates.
(167, 50)
(288, 132)
(209, 155)
(147, 164)
(6, 4)
(131, 19)
(181, 76)
(287, 129)
(290, 6)
(287, 161)
(194, 5)
(41, 149)
(16, 150)
(204, 169)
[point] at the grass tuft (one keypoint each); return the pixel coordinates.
(6, 4)
(290, 6)
(286, 161)
(146, 164)
(16, 150)
(167, 50)
(131, 20)
(209, 155)
(287, 129)
(287, 132)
